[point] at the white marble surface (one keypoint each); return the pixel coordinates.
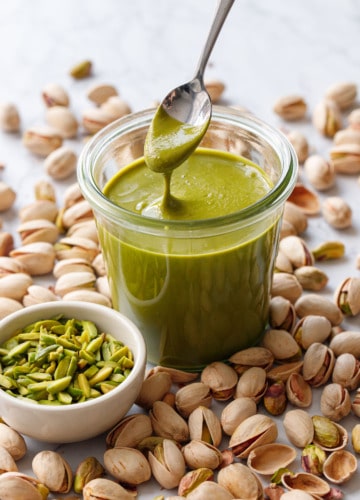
(145, 48)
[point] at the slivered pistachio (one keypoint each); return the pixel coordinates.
(62, 361)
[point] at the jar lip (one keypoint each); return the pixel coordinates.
(274, 198)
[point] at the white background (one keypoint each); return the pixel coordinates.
(145, 48)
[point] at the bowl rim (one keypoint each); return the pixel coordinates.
(65, 306)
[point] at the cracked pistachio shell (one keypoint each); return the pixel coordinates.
(298, 391)
(286, 285)
(105, 489)
(221, 378)
(38, 230)
(198, 453)
(347, 341)
(299, 427)
(7, 462)
(191, 396)
(304, 481)
(18, 486)
(204, 424)
(346, 371)
(252, 384)
(236, 412)
(252, 356)
(283, 371)
(340, 466)
(167, 464)
(240, 481)
(295, 216)
(168, 423)
(14, 286)
(318, 364)
(281, 313)
(210, 491)
(153, 388)
(282, 344)
(311, 329)
(127, 465)
(307, 200)
(319, 172)
(318, 305)
(53, 470)
(296, 251)
(269, 458)
(130, 431)
(347, 296)
(335, 402)
(38, 258)
(252, 432)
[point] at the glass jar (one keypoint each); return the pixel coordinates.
(199, 291)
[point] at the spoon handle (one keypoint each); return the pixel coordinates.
(222, 11)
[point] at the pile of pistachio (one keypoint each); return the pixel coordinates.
(215, 434)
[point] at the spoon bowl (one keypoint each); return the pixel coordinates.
(184, 115)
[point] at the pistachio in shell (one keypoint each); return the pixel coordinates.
(209, 489)
(347, 296)
(347, 341)
(310, 329)
(153, 388)
(329, 435)
(199, 454)
(298, 391)
(313, 303)
(194, 478)
(12, 441)
(106, 490)
(53, 470)
(236, 412)
(283, 372)
(221, 378)
(16, 486)
(167, 463)
(204, 424)
(252, 384)
(191, 396)
(275, 399)
(168, 423)
(88, 469)
(282, 344)
(252, 432)
(281, 313)
(298, 427)
(335, 402)
(347, 371)
(127, 465)
(318, 364)
(7, 463)
(240, 481)
(252, 356)
(130, 431)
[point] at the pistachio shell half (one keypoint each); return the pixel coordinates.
(267, 459)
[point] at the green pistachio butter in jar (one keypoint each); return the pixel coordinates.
(195, 275)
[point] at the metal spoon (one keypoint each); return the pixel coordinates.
(188, 107)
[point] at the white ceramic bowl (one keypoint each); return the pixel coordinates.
(77, 421)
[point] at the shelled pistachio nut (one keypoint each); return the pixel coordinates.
(329, 435)
(89, 468)
(329, 250)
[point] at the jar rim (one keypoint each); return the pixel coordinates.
(270, 201)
